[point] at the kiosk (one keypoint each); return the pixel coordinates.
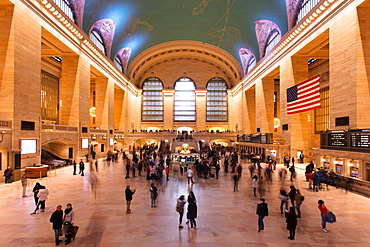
(37, 171)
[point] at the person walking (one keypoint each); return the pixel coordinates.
(74, 167)
(129, 193)
(24, 184)
(153, 195)
(180, 209)
(82, 168)
(57, 220)
(239, 170)
(128, 167)
(218, 168)
(291, 222)
(292, 193)
(192, 210)
(323, 210)
(167, 172)
(42, 196)
(262, 212)
(236, 181)
(35, 191)
(190, 175)
(8, 173)
(298, 202)
(68, 221)
(283, 196)
(292, 172)
(255, 184)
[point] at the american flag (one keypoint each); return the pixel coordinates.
(304, 96)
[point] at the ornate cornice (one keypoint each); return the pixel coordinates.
(263, 31)
(106, 29)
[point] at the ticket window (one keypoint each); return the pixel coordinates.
(338, 166)
(353, 171)
(368, 171)
(325, 162)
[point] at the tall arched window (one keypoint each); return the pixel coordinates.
(152, 103)
(97, 40)
(66, 7)
(185, 107)
(251, 64)
(305, 8)
(272, 40)
(217, 100)
(118, 63)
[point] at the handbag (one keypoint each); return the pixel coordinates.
(330, 217)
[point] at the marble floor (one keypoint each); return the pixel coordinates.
(225, 218)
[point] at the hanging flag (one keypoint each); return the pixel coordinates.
(304, 96)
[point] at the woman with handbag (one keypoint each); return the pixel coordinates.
(68, 221)
(192, 210)
(180, 209)
(323, 211)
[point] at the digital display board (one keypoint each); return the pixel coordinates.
(360, 138)
(338, 139)
(29, 146)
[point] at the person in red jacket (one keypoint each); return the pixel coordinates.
(323, 211)
(167, 172)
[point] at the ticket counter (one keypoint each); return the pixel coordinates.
(37, 171)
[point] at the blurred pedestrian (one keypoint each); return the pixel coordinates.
(74, 167)
(255, 184)
(35, 191)
(236, 181)
(8, 173)
(190, 175)
(24, 184)
(283, 196)
(298, 202)
(82, 168)
(42, 197)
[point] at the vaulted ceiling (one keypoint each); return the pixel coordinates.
(227, 24)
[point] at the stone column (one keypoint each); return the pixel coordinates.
(265, 105)
(294, 70)
(249, 120)
(168, 95)
(104, 103)
(75, 91)
(201, 104)
(119, 113)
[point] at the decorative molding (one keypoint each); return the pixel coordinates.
(245, 56)
(263, 31)
(106, 28)
(78, 9)
(124, 55)
(292, 6)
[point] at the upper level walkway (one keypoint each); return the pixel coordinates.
(225, 218)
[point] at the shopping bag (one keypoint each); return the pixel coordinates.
(330, 217)
(75, 228)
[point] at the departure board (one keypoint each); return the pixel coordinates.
(360, 139)
(338, 139)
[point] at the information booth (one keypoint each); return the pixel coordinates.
(37, 171)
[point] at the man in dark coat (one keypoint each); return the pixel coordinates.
(82, 168)
(262, 212)
(129, 193)
(57, 220)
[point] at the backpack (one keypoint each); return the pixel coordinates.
(302, 198)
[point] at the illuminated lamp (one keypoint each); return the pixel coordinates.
(59, 16)
(56, 12)
(48, 5)
(52, 9)
(314, 15)
(330, 1)
(322, 7)
(68, 24)
(318, 11)
(44, 2)
(93, 111)
(326, 3)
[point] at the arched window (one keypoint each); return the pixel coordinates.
(185, 107)
(251, 64)
(97, 40)
(216, 100)
(66, 7)
(118, 63)
(152, 103)
(273, 39)
(305, 8)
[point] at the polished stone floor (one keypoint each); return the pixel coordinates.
(225, 218)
